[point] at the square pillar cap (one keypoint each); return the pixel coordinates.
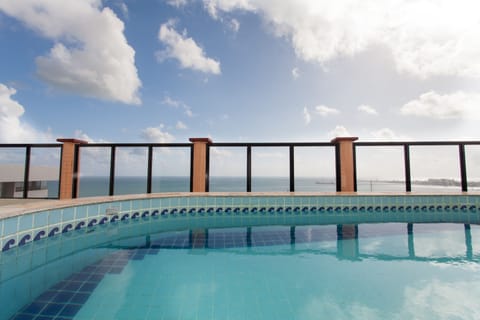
(342, 139)
(204, 140)
(76, 141)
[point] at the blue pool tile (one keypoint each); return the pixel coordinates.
(25, 222)
(52, 309)
(47, 318)
(46, 296)
(54, 217)
(116, 270)
(10, 226)
(79, 277)
(92, 210)
(63, 297)
(88, 287)
(68, 214)
(80, 298)
(81, 212)
(71, 286)
(154, 203)
(201, 202)
(96, 277)
(236, 201)
(70, 310)
(173, 203)
(34, 307)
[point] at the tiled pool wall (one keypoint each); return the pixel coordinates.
(187, 212)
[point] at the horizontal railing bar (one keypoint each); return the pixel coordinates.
(271, 144)
(416, 143)
(32, 145)
(146, 145)
(245, 144)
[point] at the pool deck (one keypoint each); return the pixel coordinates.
(15, 207)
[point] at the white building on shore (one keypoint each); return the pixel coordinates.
(12, 175)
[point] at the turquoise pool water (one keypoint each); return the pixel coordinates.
(245, 256)
(364, 271)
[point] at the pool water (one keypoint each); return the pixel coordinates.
(368, 271)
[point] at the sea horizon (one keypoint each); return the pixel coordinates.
(99, 185)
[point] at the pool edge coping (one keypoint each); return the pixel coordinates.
(14, 210)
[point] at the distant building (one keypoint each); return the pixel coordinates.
(11, 180)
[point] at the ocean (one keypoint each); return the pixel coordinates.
(98, 186)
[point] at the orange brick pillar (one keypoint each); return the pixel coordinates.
(67, 170)
(345, 163)
(200, 164)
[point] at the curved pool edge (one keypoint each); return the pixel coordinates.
(35, 221)
(12, 210)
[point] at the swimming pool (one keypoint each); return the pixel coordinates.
(176, 257)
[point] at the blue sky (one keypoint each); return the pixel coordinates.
(239, 70)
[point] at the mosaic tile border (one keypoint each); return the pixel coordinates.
(21, 230)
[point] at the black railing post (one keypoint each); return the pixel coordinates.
(292, 167)
(408, 177)
(338, 174)
(149, 169)
(249, 168)
(354, 167)
(207, 169)
(463, 167)
(191, 167)
(26, 173)
(112, 171)
(76, 165)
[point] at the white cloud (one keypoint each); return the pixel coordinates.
(188, 111)
(213, 6)
(180, 125)
(12, 128)
(339, 131)
(295, 73)
(325, 111)
(157, 135)
(221, 152)
(426, 38)
(177, 3)
(176, 103)
(306, 116)
(368, 109)
(79, 134)
(90, 57)
(386, 134)
(458, 105)
(171, 102)
(437, 299)
(185, 50)
(124, 9)
(234, 25)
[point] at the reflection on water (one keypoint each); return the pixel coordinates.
(366, 271)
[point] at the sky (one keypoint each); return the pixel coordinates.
(239, 70)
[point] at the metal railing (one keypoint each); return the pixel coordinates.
(406, 157)
(248, 146)
(113, 147)
(27, 162)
